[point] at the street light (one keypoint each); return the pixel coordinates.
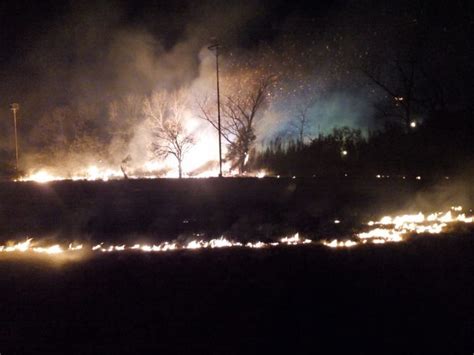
(215, 48)
(15, 107)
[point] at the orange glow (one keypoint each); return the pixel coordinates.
(386, 230)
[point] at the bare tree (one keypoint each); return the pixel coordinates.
(301, 120)
(397, 79)
(408, 80)
(240, 108)
(165, 111)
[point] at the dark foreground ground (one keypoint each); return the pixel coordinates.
(411, 298)
(415, 298)
(244, 209)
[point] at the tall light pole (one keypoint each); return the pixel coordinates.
(215, 47)
(15, 107)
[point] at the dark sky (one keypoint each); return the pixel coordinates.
(25, 25)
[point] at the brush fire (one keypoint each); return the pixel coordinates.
(388, 229)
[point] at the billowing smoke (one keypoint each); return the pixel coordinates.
(89, 73)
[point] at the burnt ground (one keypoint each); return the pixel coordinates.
(244, 208)
(410, 298)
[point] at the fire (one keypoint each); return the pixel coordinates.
(397, 229)
(90, 173)
(29, 247)
(200, 161)
(149, 171)
(261, 174)
(41, 176)
(386, 230)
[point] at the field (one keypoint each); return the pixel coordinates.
(242, 208)
(409, 298)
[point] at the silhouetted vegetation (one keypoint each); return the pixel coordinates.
(440, 146)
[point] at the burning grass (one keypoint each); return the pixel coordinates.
(388, 229)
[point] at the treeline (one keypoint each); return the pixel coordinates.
(438, 147)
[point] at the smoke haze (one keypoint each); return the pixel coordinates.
(83, 59)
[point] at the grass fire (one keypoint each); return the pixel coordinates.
(236, 177)
(387, 230)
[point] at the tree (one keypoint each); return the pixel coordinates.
(301, 120)
(240, 107)
(398, 80)
(166, 112)
(407, 70)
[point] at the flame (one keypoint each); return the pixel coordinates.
(386, 230)
(90, 173)
(397, 229)
(149, 171)
(29, 247)
(199, 158)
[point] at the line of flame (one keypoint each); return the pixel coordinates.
(29, 246)
(94, 173)
(399, 228)
(386, 230)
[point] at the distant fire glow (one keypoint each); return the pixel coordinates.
(94, 173)
(386, 230)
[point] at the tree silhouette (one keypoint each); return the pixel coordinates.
(240, 108)
(166, 112)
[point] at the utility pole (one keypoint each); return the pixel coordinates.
(215, 47)
(15, 107)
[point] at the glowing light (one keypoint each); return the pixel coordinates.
(340, 244)
(295, 240)
(148, 171)
(398, 228)
(41, 177)
(388, 229)
(413, 124)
